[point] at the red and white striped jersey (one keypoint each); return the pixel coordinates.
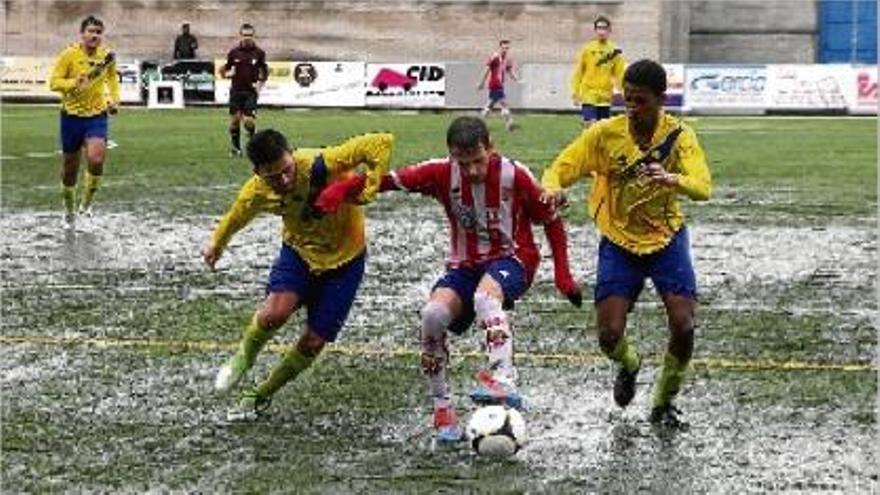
(498, 65)
(487, 220)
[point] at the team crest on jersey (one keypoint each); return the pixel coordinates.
(467, 217)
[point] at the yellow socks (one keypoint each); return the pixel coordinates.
(626, 354)
(671, 377)
(253, 340)
(293, 363)
(92, 183)
(69, 194)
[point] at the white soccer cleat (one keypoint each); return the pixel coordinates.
(85, 211)
(69, 221)
(230, 374)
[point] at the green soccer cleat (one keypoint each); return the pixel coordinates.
(667, 416)
(231, 373)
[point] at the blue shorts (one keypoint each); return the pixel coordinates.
(508, 272)
(622, 273)
(327, 296)
(595, 112)
(496, 95)
(75, 130)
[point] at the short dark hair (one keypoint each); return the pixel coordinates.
(267, 146)
(601, 20)
(246, 27)
(90, 21)
(648, 74)
(467, 133)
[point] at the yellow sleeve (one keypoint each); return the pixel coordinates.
(578, 74)
(59, 80)
(113, 83)
(577, 160)
(372, 150)
(242, 211)
(618, 70)
(694, 179)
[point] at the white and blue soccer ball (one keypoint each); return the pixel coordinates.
(496, 431)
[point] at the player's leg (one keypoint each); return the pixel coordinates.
(288, 284)
(450, 307)
(72, 139)
(619, 280)
(249, 114)
(504, 280)
(509, 123)
(330, 298)
(235, 114)
(96, 153)
(442, 309)
(673, 275)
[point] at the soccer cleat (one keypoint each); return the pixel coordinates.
(667, 416)
(85, 211)
(446, 425)
(250, 407)
(625, 386)
(234, 152)
(231, 373)
(69, 220)
(496, 390)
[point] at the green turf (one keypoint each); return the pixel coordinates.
(143, 418)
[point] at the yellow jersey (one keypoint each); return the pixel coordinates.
(332, 240)
(99, 68)
(599, 67)
(630, 210)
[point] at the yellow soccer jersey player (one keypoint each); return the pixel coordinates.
(85, 75)
(598, 69)
(641, 163)
(322, 257)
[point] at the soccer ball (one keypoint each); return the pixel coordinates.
(496, 431)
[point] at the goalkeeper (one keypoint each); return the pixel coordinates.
(642, 161)
(321, 261)
(84, 74)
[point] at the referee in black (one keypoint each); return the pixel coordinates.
(249, 72)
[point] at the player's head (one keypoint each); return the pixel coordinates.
(469, 145)
(644, 88)
(91, 30)
(602, 27)
(272, 158)
(185, 28)
(504, 46)
(246, 35)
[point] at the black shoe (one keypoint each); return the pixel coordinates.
(625, 385)
(667, 416)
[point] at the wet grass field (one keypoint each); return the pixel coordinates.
(111, 335)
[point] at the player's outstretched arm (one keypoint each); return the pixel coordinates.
(565, 283)
(372, 150)
(243, 210)
(348, 190)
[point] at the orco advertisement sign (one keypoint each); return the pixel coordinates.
(725, 87)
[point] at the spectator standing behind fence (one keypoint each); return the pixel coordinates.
(185, 45)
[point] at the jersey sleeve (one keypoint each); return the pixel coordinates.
(578, 73)
(529, 193)
(228, 65)
(247, 204)
(60, 79)
(577, 160)
(422, 177)
(371, 150)
(113, 83)
(262, 67)
(694, 180)
(617, 71)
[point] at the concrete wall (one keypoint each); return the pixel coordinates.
(541, 31)
(750, 31)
